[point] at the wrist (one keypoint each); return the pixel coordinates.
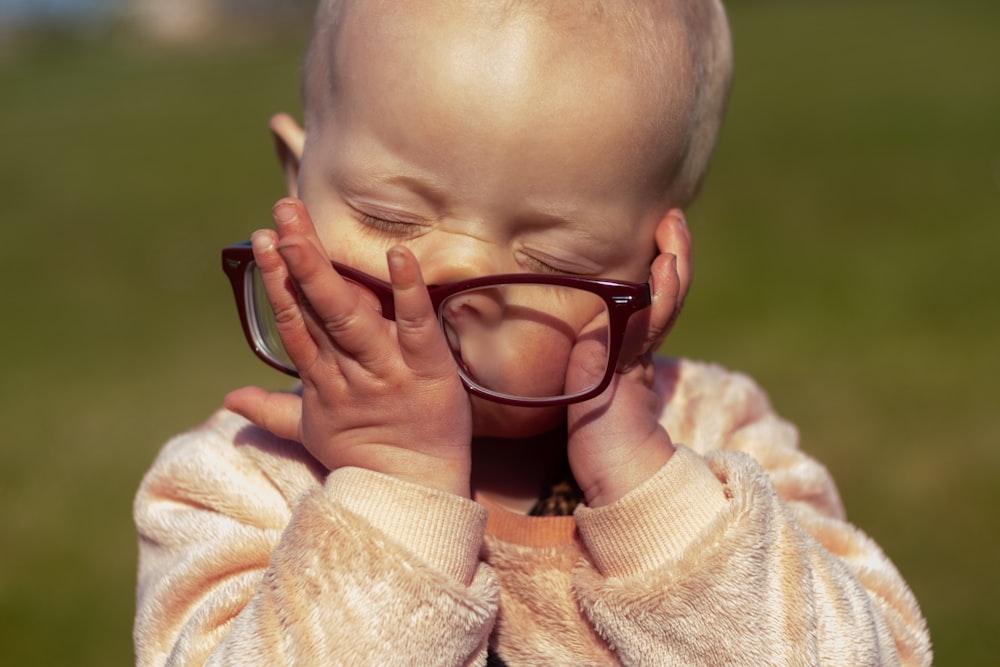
(443, 530)
(449, 478)
(656, 523)
(450, 475)
(616, 441)
(627, 470)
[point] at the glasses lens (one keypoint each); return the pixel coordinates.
(262, 320)
(528, 341)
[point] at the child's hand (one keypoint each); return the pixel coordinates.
(376, 394)
(615, 440)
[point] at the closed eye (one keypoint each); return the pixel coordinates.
(535, 261)
(393, 228)
(533, 264)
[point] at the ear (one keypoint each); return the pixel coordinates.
(289, 141)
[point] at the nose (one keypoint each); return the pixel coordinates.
(474, 309)
(472, 321)
(449, 257)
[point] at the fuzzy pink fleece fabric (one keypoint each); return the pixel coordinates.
(736, 553)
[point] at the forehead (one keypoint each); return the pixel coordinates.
(464, 52)
(537, 78)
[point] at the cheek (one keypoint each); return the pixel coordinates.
(527, 355)
(528, 366)
(344, 241)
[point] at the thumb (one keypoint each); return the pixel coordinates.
(279, 413)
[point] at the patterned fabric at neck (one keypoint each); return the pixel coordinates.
(559, 498)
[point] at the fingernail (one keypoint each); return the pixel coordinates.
(396, 258)
(284, 212)
(261, 240)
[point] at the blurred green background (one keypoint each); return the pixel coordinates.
(845, 257)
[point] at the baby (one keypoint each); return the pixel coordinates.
(495, 470)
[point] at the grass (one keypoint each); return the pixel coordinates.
(844, 249)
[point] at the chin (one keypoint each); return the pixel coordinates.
(493, 420)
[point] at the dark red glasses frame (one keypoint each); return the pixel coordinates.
(622, 298)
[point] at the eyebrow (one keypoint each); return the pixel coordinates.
(430, 192)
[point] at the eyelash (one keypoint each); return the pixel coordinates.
(535, 265)
(383, 227)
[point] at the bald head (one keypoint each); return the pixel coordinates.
(668, 60)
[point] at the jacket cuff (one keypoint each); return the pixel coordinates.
(655, 523)
(441, 528)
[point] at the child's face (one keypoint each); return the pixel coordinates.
(485, 146)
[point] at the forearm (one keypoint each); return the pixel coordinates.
(261, 568)
(359, 599)
(736, 580)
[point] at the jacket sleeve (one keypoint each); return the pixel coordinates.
(737, 551)
(249, 554)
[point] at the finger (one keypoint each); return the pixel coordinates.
(588, 362)
(647, 329)
(420, 338)
(281, 414)
(292, 218)
(288, 314)
(665, 285)
(335, 311)
(682, 250)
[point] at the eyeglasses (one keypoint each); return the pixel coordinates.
(518, 339)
